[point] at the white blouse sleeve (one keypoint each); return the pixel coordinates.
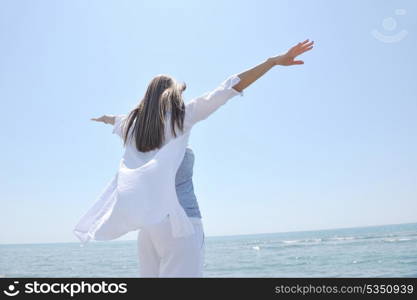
(201, 107)
(118, 125)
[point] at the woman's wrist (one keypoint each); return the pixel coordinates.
(275, 60)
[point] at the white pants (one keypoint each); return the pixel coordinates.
(162, 255)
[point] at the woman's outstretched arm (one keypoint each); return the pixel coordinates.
(288, 59)
(115, 120)
(203, 106)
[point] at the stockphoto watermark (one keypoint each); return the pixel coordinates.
(71, 288)
(390, 32)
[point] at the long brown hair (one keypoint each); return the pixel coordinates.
(163, 95)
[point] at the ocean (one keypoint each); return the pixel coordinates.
(377, 251)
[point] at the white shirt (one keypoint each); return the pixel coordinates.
(142, 192)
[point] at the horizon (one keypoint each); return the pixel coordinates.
(225, 236)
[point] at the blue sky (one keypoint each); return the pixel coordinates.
(325, 145)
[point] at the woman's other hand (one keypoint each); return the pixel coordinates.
(105, 119)
(288, 59)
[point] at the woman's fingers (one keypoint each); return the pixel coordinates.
(304, 48)
(301, 47)
(307, 45)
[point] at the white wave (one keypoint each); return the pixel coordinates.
(343, 238)
(291, 241)
(257, 248)
(318, 240)
(396, 239)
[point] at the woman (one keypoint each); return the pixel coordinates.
(160, 117)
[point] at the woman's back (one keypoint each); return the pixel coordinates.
(134, 158)
(183, 180)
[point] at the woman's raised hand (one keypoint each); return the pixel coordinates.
(288, 59)
(105, 119)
